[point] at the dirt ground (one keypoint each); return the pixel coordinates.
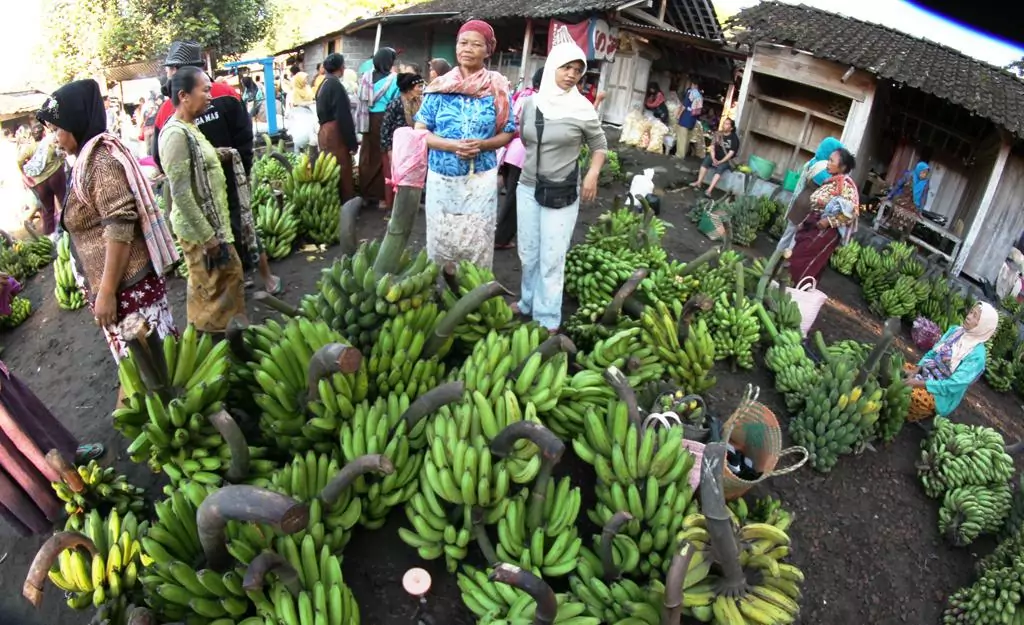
(865, 535)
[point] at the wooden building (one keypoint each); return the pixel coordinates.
(893, 100)
(626, 39)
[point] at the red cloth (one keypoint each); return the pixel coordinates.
(483, 29)
(217, 90)
(812, 248)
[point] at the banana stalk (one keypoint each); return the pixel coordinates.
(348, 474)
(699, 302)
(469, 302)
(67, 472)
(614, 309)
(276, 303)
(554, 344)
(705, 258)
(271, 562)
(771, 269)
(608, 532)
(547, 603)
(226, 426)
(618, 381)
(281, 158)
(328, 360)
(244, 503)
(347, 226)
(551, 450)
(428, 403)
(767, 324)
(719, 521)
(478, 518)
(140, 616)
(403, 216)
(889, 330)
(672, 608)
(43, 562)
(235, 335)
(146, 350)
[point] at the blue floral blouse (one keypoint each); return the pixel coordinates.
(455, 116)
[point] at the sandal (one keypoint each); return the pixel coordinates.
(88, 452)
(695, 185)
(504, 246)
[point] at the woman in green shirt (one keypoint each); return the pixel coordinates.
(199, 209)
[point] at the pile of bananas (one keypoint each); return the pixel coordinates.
(112, 573)
(854, 351)
(994, 598)
(398, 361)
(632, 351)
(1003, 340)
(69, 296)
(844, 260)
(687, 362)
(669, 283)
(494, 314)
(1000, 374)
(957, 454)
(602, 580)
(269, 170)
(782, 309)
(355, 301)
(100, 489)
(21, 309)
(946, 304)
(623, 227)
(322, 598)
(795, 373)
(901, 299)
(839, 414)
(553, 546)
(594, 274)
(767, 209)
(190, 436)
(735, 328)
(586, 390)
(24, 259)
(500, 601)
(969, 511)
(311, 193)
(586, 328)
(745, 219)
(277, 226)
(895, 400)
(302, 391)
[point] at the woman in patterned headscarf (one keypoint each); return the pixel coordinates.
(120, 246)
(377, 88)
(467, 113)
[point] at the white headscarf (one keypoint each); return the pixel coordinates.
(555, 102)
(988, 321)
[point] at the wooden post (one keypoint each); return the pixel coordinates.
(729, 93)
(527, 47)
(661, 11)
(748, 77)
(978, 223)
(376, 39)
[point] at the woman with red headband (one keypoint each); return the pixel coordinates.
(467, 115)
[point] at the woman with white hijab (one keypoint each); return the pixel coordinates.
(555, 124)
(941, 378)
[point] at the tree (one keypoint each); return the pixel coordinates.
(223, 27)
(1017, 67)
(73, 37)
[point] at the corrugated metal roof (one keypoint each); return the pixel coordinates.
(134, 71)
(19, 103)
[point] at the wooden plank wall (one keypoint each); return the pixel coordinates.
(784, 62)
(1003, 225)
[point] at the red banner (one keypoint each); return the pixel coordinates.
(594, 36)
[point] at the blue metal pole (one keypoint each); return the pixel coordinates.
(271, 96)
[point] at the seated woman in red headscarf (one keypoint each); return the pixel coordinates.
(467, 114)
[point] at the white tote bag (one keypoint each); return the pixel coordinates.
(809, 300)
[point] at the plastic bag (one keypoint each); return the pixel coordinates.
(632, 128)
(657, 140)
(409, 158)
(642, 185)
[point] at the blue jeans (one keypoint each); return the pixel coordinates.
(543, 237)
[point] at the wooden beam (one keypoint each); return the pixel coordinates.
(729, 93)
(745, 84)
(987, 198)
(643, 16)
(661, 11)
(527, 50)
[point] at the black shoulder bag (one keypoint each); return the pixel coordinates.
(554, 193)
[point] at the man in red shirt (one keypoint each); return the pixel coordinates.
(226, 124)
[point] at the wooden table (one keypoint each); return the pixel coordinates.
(886, 206)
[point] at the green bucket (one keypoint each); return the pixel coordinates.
(762, 166)
(789, 182)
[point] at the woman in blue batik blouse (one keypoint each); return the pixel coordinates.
(467, 115)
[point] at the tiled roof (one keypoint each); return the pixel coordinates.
(985, 90)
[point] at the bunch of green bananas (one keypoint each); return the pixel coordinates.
(324, 597)
(744, 219)
(763, 545)
(1015, 518)
(946, 305)
(398, 362)
(837, 416)
(671, 282)
(795, 373)
(541, 370)
(1003, 339)
(767, 209)
(632, 351)
(102, 489)
(783, 310)
(868, 260)
(895, 400)
(277, 225)
(268, 170)
(113, 571)
(623, 228)
(190, 436)
(384, 427)
(21, 309)
(14, 263)
(854, 351)
(957, 454)
(302, 408)
(355, 301)
(311, 193)
(586, 390)
(494, 358)
(900, 299)
(969, 511)
(995, 597)
(594, 274)
(586, 329)
(69, 296)
(496, 603)
(553, 546)
(494, 314)
(735, 328)
(609, 594)
(844, 259)
(687, 362)
(1000, 374)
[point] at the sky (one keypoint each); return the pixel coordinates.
(910, 19)
(19, 47)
